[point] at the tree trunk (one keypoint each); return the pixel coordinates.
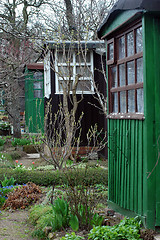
(16, 129)
(70, 18)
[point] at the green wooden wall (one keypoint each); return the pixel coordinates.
(34, 107)
(134, 145)
(126, 171)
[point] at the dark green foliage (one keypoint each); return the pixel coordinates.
(126, 229)
(2, 142)
(20, 142)
(39, 233)
(61, 210)
(8, 182)
(47, 178)
(97, 220)
(74, 222)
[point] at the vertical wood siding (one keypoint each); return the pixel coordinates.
(126, 164)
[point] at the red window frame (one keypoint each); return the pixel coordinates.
(116, 62)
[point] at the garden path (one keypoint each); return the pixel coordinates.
(14, 225)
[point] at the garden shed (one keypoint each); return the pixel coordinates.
(132, 35)
(65, 60)
(34, 97)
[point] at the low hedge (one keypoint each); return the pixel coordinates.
(47, 178)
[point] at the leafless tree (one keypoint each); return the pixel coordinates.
(16, 50)
(77, 18)
(13, 56)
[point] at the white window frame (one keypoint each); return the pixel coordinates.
(47, 76)
(74, 64)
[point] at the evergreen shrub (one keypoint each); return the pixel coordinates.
(48, 178)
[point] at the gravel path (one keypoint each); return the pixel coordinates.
(14, 225)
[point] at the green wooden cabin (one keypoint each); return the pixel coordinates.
(132, 35)
(34, 98)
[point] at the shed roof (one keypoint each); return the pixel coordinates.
(123, 5)
(75, 44)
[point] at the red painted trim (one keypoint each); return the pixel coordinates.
(38, 66)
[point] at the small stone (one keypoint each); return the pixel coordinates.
(51, 236)
(110, 212)
(47, 230)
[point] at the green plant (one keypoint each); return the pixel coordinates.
(19, 167)
(41, 216)
(74, 222)
(82, 199)
(61, 210)
(126, 229)
(71, 236)
(97, 220)
(38, 211)
(55, 216)
(3, 193)
(4, 125)
(20, 142)
(2, 142)
(8, 182)
(6, 160)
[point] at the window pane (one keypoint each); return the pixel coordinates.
(65, 57)
(38, 93)
(121, 45)
(38, 75)
(65, 84)
(130, 44)
(122, 79)
(115, 102)
(131, 101)
(84, 86)
(114, 76)
(38, 85)
(82, 58)
(84, 71)
(140, 70)
(139, 40)
(110, 51)
(123, 102)
(65, 71)
(131, 72)
(140, 102)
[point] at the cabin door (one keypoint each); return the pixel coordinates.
(34, 102)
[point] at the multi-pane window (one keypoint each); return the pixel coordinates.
(70, 65)
(38, 85)
(125, 68)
